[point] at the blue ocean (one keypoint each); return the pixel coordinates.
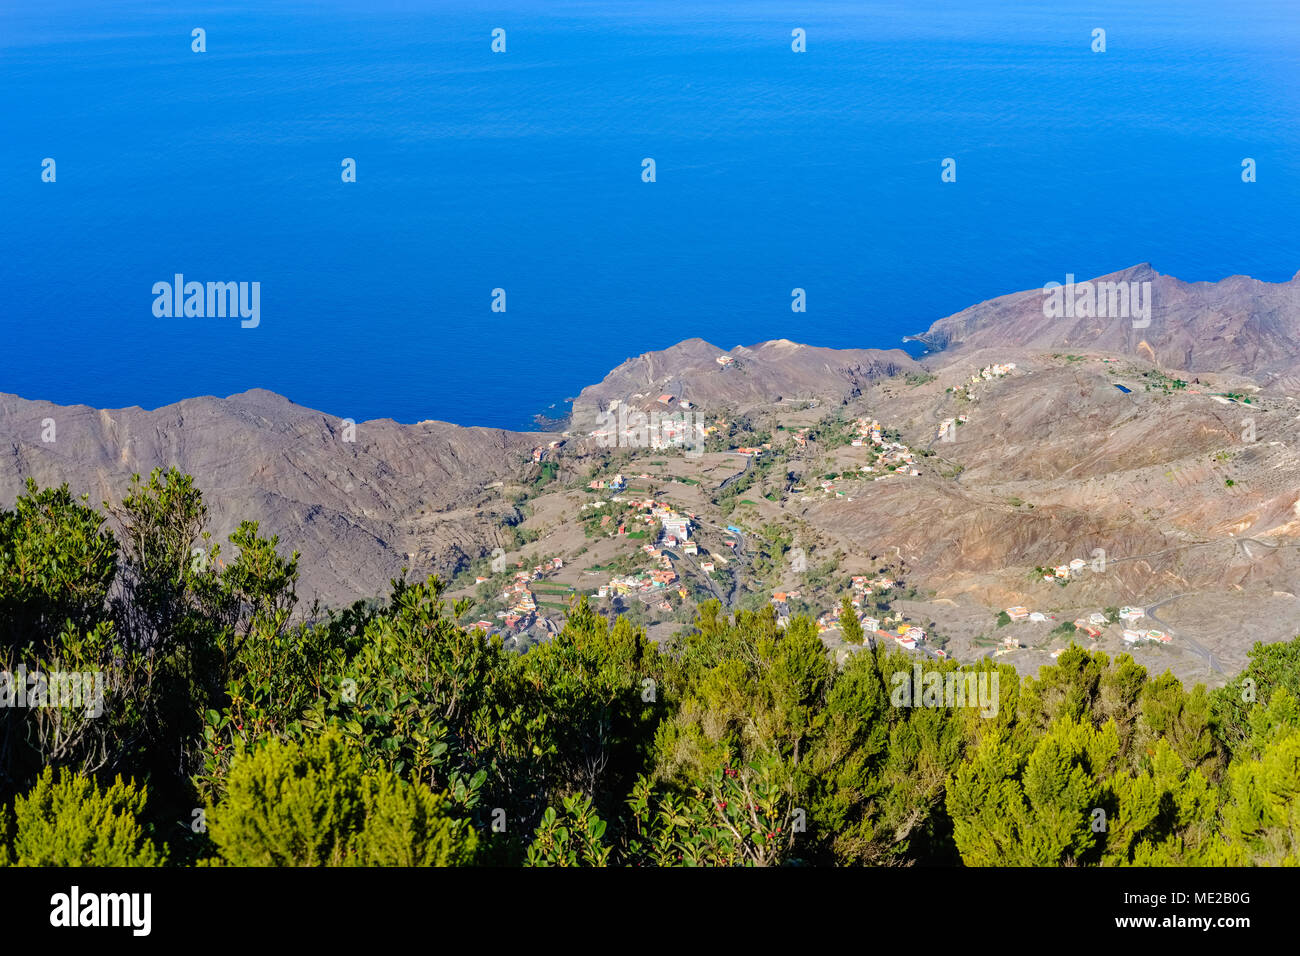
(523, 171)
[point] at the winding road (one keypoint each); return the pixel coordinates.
(1198, 649)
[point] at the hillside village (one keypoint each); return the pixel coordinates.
(664, 533)
(742, 506)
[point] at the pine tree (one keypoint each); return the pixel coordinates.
(850, 626)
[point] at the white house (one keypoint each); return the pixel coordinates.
(677, 527)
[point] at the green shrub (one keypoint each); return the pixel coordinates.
(315, 805)
(65, 820)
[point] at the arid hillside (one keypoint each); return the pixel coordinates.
(1239, 324)
(357, 504)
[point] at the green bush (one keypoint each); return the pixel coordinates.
(315, 805)
(65, 820)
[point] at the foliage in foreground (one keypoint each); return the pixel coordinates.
(235, 728)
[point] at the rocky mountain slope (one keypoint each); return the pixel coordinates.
(768, 373)
(357, 505)
(1239, 325)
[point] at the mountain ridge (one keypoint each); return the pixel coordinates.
(1237, 324)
